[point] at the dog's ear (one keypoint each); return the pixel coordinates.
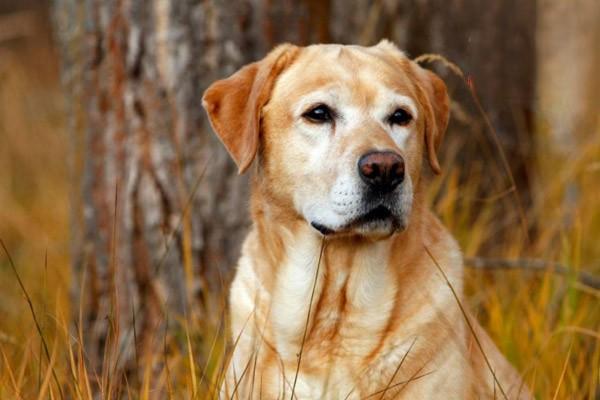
(437, 110)
(234, 104)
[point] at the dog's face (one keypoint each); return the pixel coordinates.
(342, 132)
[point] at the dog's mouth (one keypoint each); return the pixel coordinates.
(380, 217)
(379, 213)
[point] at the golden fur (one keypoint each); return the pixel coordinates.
(362, 312)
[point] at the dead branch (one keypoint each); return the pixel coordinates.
(534, 264)
(17, 25)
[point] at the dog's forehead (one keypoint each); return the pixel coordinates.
(355, 67)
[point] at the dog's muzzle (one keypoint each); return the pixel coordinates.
(380, 210)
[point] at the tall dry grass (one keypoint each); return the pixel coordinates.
(548, 325)
(33, 201)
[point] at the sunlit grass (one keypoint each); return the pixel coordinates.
(547, 325)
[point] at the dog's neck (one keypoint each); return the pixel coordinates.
(347, 281)
(283, 235)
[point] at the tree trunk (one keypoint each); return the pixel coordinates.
(159, 212)
(158, 209)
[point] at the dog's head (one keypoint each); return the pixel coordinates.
(341, 132)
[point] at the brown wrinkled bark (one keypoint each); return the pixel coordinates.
(158, 209)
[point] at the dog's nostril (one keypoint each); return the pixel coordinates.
(370, 169)
(398, 170)
(382, 170)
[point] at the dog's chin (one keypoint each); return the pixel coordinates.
(378, 223)
(377, 229)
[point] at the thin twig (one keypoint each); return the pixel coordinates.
(533, 264)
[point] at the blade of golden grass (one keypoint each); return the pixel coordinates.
(212, 349)
(387, 387)
(464, 313)
(415, 376)
(228, 359)
(166, 359)
(312, 295)
(25, 361)
(47, 376)
(145, 390)
(237, 381)
(595, 374)
(74, 370)
(168, 245)
(192, 363)
(11, 376)
(562, 374)
(33, 314)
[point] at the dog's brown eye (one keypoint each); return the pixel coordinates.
(319, 114)
(400, 117)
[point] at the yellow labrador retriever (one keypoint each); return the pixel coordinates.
(343, 287)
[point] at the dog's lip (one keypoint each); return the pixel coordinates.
(378, 213)
(322, 228)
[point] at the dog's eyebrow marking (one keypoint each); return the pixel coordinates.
(399, 100)
(327, 95)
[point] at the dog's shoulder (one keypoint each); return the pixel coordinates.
(437, 241)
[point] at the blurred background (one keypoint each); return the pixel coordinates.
(123, 215)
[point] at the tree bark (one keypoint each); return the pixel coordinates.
(158, 209)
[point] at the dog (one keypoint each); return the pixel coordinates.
(348, 286)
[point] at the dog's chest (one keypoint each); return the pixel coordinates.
(334, 311)
(348, 378)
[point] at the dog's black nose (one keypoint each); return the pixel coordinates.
(381, 170)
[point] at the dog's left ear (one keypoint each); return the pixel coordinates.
(438, 111)
(234, 104)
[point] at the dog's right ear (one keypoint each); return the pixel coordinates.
(234, 104)
(437, 108)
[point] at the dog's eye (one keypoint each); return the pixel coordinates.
(319, 114)
(400, 117)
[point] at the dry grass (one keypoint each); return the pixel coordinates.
(547, 325)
